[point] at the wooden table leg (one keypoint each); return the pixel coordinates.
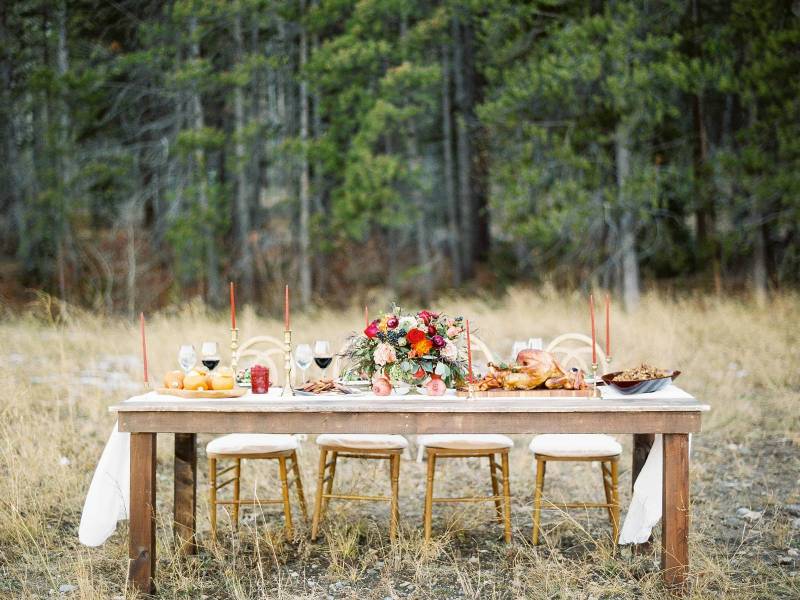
(642, 443)
(142, 535)
(675, 519)
(185, 499)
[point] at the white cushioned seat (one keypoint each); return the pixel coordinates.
(363, 441)
(575, 444)
(251, 443)
(466, 441)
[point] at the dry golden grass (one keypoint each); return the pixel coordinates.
(740, 358)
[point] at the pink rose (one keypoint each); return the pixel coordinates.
(372, 330)
(450, 351)
(453, 331)
(384, 355)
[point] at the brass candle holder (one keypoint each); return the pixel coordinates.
(287, 364)
(234, 349)
(471, 390)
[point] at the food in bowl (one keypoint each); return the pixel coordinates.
(643, 372)
(243, 377)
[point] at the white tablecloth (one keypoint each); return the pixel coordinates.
(109, 493)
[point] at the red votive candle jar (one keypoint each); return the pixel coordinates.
(259, 379)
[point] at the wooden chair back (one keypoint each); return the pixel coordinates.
(575, 350)
(481, 355)
(265, 350)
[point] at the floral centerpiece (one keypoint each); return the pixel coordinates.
(410, 348)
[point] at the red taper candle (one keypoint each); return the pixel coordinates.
(594, 335)
(233, 308)
(608, 326)
(469, 354)
(286, 308)
(144, 346)
(366, 316)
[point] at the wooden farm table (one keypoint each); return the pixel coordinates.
(671, 411)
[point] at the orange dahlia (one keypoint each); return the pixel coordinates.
(423, 346)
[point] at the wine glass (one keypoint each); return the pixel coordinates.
(518, 347)
(323, 355)
(209, 353)
(187, 357)
(535, 343)
(303, 357)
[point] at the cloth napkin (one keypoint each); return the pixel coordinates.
(646, 506)
(109, 493)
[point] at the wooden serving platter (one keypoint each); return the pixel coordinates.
(590, 393)
(194, 394)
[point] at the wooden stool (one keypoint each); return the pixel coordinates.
(240, 446)
(365, 446)
(469, 446)
(578, 448)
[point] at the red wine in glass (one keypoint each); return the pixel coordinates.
(323, 362)
(210, 363)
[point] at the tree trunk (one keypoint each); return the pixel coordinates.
(321, 265)
(630, 259)
(305, 175)
(242, 217)
(10, 197)
(424, 259)
(466, 211)
(705, 215)
(212, 275)
(449, 174)
(759, 277)
(130, 281)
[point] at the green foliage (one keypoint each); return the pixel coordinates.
(678, 121)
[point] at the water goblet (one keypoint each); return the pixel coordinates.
(187, 357)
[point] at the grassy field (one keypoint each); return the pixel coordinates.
(740, 358)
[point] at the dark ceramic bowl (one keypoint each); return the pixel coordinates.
(638, 387)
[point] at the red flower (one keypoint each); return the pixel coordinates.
(431, 330)
(372, 330)
(415, 335)
(420, 373)
(392, 322)
(426, 316)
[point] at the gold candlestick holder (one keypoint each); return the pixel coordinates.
(287, 364)
(234, 349)
(471, 390)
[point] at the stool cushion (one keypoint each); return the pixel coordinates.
(466, 441)
(251, 443)
(575, 444)
(362, 441)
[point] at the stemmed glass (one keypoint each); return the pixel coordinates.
(323, 355)
(535, 343)
(187, 358)
(209, 353)
(303, 357)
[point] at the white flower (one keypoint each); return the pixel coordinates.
(449, 351)
(384, 354)
(401, 341)
(407, 323)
